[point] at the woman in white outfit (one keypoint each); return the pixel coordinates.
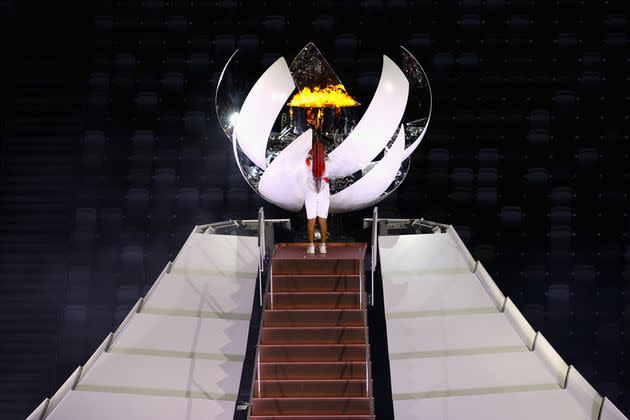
(317, 198)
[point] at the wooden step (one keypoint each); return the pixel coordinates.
(311, 388)
(313, 335)
(314, 300)
(298, 406)
(314, 417)
(316, 283)
(312, 370)
(316, 266)
(312, 353)
(315, 317)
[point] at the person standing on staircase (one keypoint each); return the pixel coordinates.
(317, 198)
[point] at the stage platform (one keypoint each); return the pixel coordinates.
(458, 349)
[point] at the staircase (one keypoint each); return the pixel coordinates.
(313, 359)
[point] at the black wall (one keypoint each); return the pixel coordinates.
(111, 152)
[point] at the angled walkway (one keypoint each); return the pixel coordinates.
(460, 350)
(179, 354)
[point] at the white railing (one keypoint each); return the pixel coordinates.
(261, 247)
(498, 298)
(103, 348)
(610, 412)
(256, 385)
(374, 250)
(69, 385)
(550, 358)
(461, 247)
(590, 400)
(519, 323)
(38, 413)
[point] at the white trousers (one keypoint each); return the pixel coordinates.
(317, 203)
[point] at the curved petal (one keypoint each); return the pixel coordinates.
(285, 178)
(223, 115)
(262, 106)
(372, 185)
(417, 69)
(378, 124)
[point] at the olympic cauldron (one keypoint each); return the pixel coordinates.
(272, 129)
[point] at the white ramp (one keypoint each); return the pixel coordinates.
(455, 351)
(180, 354)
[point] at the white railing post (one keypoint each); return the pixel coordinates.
(374, 249)
(361, 287)
(270, 279)
(367, 373)
(258, 375)
(261, 247)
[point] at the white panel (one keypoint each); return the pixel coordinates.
(451, 334)
(38, 413)
(519, 323)
(610, 412)
(155, 375)
(217, 253)
(378, 124)
(283, 183)
(426, 273)
(372, 185)
(184, 335)
(470, 372)
(63, 390)
(260, 110)
(196, 295)
(470, 261)
(424, 253)
(100, 350)
(427, 292)
(583, 392)
(491, 287)
(551, 359)
(554, 404)
(212, 410)
(81, 405)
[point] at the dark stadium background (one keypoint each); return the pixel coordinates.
(111, 153)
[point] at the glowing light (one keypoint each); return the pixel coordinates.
(234, 119)
(331, 96)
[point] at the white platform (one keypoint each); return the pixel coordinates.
(451, 333)
(106, 406)
(181, 356)
(184, 337)
(207, 295)
(539, 405)
(453, 354)
(168, 376)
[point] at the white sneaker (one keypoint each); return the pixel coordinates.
(310, 249)
(322, 248)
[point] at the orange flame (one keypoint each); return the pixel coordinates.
(330, 96)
